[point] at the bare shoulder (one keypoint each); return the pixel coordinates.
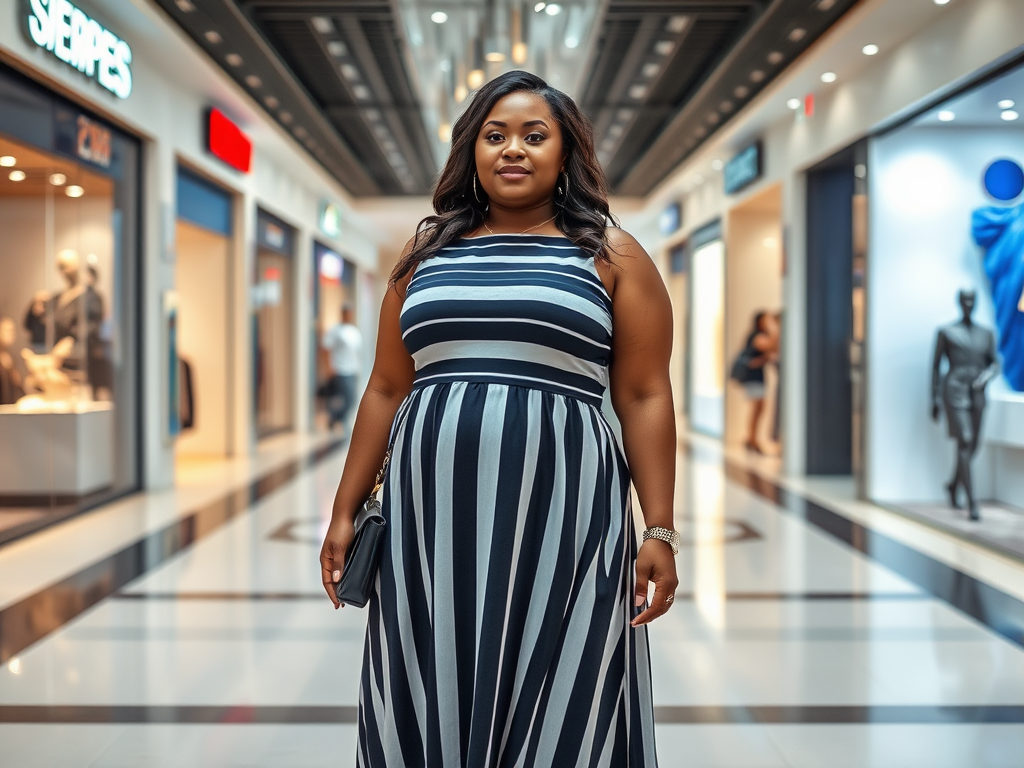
(624, 245)
(628, 262)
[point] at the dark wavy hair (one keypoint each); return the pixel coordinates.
(582, 210)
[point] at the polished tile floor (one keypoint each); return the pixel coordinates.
(787, 646)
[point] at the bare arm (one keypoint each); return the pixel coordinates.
(641, 393)
(940, 351)
(993, 365)
(389, 383)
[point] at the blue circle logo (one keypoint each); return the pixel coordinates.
(1004, 180)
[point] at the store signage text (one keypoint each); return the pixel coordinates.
(330, 219)
(74, 38)
(93, 143)
(226, 141)
(744, 169)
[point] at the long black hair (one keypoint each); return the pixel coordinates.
(582, 207)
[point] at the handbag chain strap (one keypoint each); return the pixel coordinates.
(379, 482)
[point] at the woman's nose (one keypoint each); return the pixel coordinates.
(514, 149)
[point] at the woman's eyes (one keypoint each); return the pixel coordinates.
(532, 138)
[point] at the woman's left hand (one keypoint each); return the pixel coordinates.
(655, 562)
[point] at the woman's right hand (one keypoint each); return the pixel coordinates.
(332, 555)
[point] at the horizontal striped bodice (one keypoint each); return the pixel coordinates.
(519, 310)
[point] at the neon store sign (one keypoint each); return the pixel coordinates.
(81, 42)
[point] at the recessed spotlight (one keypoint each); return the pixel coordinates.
(616, 130)
(233, 59)
(322, 24)
(946, 116)
(775, 57)
(757, 76)
(869, 50)
(336, 48)
(439, 17)
(553, 9)
(7, 161)
(349, 72)
(271, 102)
(1009, 114)
(74, 191)
(17, 176)
(285, 117)
(741, 92)
(794, 103)
(496, 57)
(185, 6)
(572, 41)
(213, 36)
(361, 92)
(796, 35)
(726, 107)
(717, 165)
(475, 78)
(253, 81)
(1004, 104)
(860, 171)
(941, 2)
(637, 91)
(652, 68)
(826, 5)
(828, 77)
(58, 179)
(539, 7)
(664, 47)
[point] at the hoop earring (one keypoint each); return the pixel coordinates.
(563, 188)
(475, 193)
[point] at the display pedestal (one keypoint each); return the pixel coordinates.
(56, 453)
(1004, 420)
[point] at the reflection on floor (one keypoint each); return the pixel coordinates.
(1001, 527)
(787, 646)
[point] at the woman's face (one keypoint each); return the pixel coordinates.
(519, 151)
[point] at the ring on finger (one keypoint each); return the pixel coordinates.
(669, 599)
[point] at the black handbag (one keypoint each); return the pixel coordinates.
(741, 371)
(363, 556)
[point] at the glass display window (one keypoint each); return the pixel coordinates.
(68, 393)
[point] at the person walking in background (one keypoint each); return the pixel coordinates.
(344, 343)
(761, 348)
(506, 624)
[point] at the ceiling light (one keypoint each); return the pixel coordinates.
(461, 92)
(1009, 114)
(664, 47)
(828, 77)
(539, 7)
(775, 57)
(185, 6)
(796, 35)
(300, 131)
(677, 23)
(794, 103)
(717, 165)
(553, 9)
(496, 57)
(361, 92)
(860, 171)
(285, 117)
(58, 179)
(439, 17)
(637, 91)
(869, 50)
(475, 79)
(826, 5)
(741, 92)
(941, 2)
(946, 116)
(74, 191)
(336, 48)
(650, 69)
(519, 52)
(572, 41)
(253, 81)
(322, 24)
(757, 76)
(726, 106)
(17, 176)
(213, 36)
(1004, 104)
(271, 102)
(7, 161)
(444, 132)
(714, 118)
(616, 130)
(625, 114)
(233, 59)
(349, 72)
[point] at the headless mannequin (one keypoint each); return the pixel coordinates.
(971, 352)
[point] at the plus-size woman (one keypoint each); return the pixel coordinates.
(507, 624)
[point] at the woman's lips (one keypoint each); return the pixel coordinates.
(513, 173)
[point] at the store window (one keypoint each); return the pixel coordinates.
(68, 312)
(334, 303)
(274, 306)
(707, 332)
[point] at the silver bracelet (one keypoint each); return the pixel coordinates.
(667, 535)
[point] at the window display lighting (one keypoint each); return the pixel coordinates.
(1009, 115)
(828, 77)
(74, 191)
(869, 50)
(439, 17)
(553, 9)
(17, 176)
(946, 116)
(539, 7)
(58, 179)
(1006, 104)
(7, 161)
(794, 103)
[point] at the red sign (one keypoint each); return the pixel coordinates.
(226, 141)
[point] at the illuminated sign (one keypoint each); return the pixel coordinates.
(69, 34)
(93, 144)
(671, 218)
(226, 141)
(330, 219)
(744, 169)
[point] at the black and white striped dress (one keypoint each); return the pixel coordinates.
(500, 632)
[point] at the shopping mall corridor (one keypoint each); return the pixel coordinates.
(788, 644)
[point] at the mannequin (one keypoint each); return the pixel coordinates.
(971, 353)
(11, 381)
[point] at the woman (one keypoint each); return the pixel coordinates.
(506, 629)
(762, 348)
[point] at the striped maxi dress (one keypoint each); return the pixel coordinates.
(499, 634)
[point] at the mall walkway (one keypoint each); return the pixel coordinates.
(799, 638)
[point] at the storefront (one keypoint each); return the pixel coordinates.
(946, 218)
(69, 319)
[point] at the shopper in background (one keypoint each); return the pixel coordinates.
(761, 348)
(344, 343)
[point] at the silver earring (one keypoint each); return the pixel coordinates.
(475, 193)
(563, 187)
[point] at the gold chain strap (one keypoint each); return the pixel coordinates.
(379, 482)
